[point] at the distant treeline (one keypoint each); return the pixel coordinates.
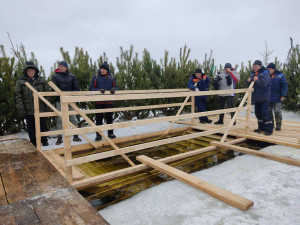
(134, 72)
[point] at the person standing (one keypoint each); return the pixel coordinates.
(226, 80)
(279, 90)
(25, 103)
(65, 81)
(200, 82)
(104, 81)
(261, 97)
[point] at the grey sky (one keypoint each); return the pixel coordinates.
(235, 30)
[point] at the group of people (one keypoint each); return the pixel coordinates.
(65, 81)
(270, 89)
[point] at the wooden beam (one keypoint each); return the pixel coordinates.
(122, 109)
(258, 153)
(147, 121)
(248, 114)
(79, 185)
(103, 155)
(94, 98)
(208, 188)
(37, 122)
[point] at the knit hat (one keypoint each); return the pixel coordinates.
(105, 66)
(272, 66)
(198, 70)
(63, 63)
(257, 62)
(227, 65)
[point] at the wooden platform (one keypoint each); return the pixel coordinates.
(289, 134)
(32, 191)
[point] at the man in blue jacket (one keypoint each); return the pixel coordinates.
(200, 82)
(261, 97)
(102, 82)
(278, 93)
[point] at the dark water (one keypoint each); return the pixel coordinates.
(119, 189)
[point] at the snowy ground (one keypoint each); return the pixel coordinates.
(274, 187)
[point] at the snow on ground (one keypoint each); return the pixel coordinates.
(274, 187)
(129, 131)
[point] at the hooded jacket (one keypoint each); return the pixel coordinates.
(202, 84)
(279, 86)
(24, 96)
(262, 87)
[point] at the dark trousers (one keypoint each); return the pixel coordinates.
(230, 104)
(201, 106)
(31, 128)
(108, 116)
(262, 114)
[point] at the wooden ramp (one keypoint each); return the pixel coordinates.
(212, 190)
(32, 191)
(288, 136)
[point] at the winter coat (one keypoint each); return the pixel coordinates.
(65, 81)
(24, 96)
(262, 87)
(279, 86)
(105, 82)
(202, 84)
(227, 81)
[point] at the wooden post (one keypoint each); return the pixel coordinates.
(248, 113)
(236, 113)
(67, 140)
(37, 122)
(193, 111)
(265, 155)
(214, 191)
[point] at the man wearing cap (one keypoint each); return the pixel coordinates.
(226, 81)
(261, 97)
(102, 82)
(65, 81)
(279, 90)
(25, 103)
(200, 82)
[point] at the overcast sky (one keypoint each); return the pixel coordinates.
(235, 30)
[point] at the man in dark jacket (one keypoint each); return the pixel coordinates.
(25, 103)
(65, 81)
(279, 90)
(200, 82)
(261, 97)
(102, 82)
(226, 80)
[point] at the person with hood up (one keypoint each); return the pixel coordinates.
(65, 81)
(279, 90)
(104, 81)
(261, 97)
(200, 82)
(226, 80)
(25, 103)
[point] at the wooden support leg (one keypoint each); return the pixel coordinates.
(214, 191)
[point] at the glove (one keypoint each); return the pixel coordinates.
(228, 79)
(112, 91)
(196, 89)
(102, 91)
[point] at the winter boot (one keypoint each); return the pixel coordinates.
(45, 143)
(278, 126)
(98, 137)
(76, 138)
(59, 140)
(257, 130)
(208, 121)
(219, 122)
(111, 134)
(268, 133)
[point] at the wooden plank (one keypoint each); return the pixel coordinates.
(24, 213)
(276, 140)
(3, 200)
(6, 215)
(193, 111)
(9, 137)
(265, 155)
(134, 148)
(248, 113)
(122, 109)
(148, 121)
(208, 188)
(87, 147)
(37, 122)
(139, 168)
(94, 98)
